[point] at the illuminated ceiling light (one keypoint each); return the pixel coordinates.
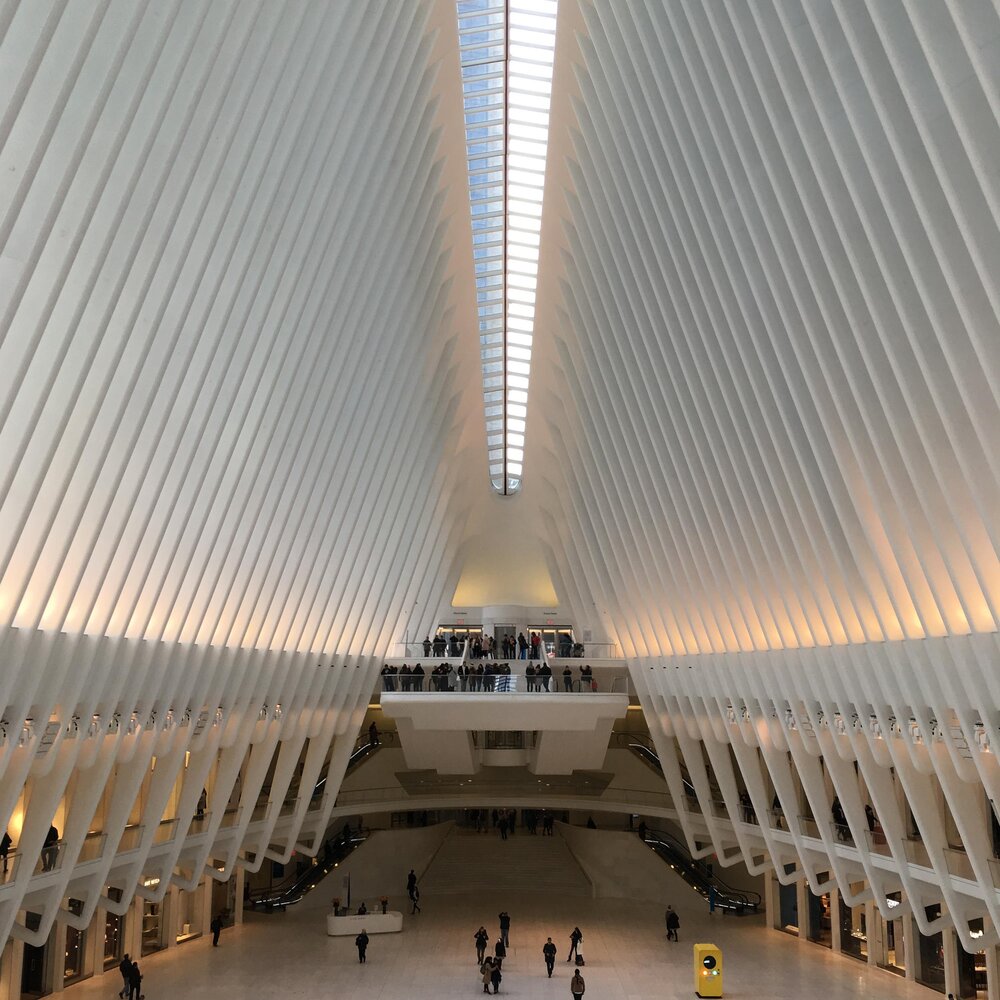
(507, 51)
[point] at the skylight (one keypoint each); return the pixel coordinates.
(507, 49)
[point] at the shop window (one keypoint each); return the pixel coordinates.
(73, 967)
(932, 955)
(853, 929)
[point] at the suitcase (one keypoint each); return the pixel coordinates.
(579, 959)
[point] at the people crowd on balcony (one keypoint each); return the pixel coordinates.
(487, 675)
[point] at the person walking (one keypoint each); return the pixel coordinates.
(504, 918)
(577, 986)
(549, 951)
(362, 942)
(373, 734)
(411, 881)
(5, 850)
(415, 900)
(673, 924)
(486, 971)
(216, 928)
(574, 943)
(495, 977)
(134, 982)
(499, 952)
(502, 827)
(482, 939)
(125, 968)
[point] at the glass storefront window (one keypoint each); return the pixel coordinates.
(152, 937)
(73, 965)
(820, 924)
(932, 955)
(853, 930)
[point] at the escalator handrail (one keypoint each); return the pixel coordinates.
(665, 843)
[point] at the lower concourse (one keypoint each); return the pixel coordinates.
(627, 955)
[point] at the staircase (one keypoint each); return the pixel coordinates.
(470, 862)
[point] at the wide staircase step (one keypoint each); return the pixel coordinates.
(470, 862)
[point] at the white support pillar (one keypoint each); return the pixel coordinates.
(993, 973)
(875, 931)
(835, 921)
(10, 970)
(950, 952)
(772, 901)
(241, 876)
(911, 944)
(802, 905)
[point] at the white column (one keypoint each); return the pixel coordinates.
(950, 951)
(241, 877)
(772, 901)
(993, 973)
(10, 970)
(875, 930)
(835, 920)
(802, 903)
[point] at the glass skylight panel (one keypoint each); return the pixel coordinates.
(507, 48)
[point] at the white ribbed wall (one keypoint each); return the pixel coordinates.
(235, 369)
(767, 448)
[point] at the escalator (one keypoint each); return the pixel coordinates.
(291, 889)
(701, 876)
(645, 750)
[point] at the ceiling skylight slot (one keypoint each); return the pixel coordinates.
(507, 48)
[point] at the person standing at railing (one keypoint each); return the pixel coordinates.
(545, 673)
(439, 645)
(5, 850)
(50, 849)
(404, 678)
(427, 644)
(417, 678)
(536, 645)
(522, 645)
(488, 676)
(567, 678)
(387, 672)
(529, 676)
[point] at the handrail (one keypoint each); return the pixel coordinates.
(291, 889)
(699, 876)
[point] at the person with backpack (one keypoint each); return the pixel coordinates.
(362, 942)
(577, 986)
(673, 924)
(549, 951)
(574, 943)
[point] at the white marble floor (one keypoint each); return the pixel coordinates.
(628, 958)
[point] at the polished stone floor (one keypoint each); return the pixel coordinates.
(628, 958)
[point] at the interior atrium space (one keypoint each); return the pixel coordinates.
(481, 471)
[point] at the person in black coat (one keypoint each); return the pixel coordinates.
(125, 968)
(134, 982)
(574, 943)
(362, 942)
(482, 938)
(549, 951)
(216, 927)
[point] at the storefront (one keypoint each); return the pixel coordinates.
(788, 905)
(190, 914)
(73, 963)
(931, 970)
(853, 927)
(114, 932)
(820, 924)
(152, 927)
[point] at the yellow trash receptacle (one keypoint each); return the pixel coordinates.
(707, 970)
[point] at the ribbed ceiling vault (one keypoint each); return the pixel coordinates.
(238, 296)
(768, 277)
